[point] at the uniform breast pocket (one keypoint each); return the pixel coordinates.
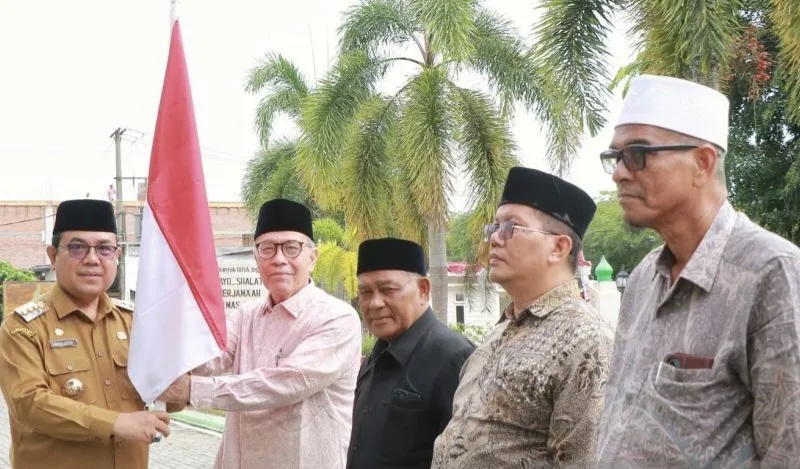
(71, 375)
(120, 356)
(411, 426)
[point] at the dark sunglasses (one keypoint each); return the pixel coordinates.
(634, 157)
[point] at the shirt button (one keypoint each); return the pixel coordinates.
(108, 382)
(366, 411)
(69, 367)
(101, 354)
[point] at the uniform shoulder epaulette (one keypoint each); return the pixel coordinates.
(31, 310)
(123, 305)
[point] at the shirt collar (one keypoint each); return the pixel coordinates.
(703, 265)
(546, 303)
(295, 303)
(64, 306)
(402, 347)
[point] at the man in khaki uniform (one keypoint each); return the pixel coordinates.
(64, 357)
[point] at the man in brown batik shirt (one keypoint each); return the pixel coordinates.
(531, 396)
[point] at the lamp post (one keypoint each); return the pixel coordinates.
(622, 280)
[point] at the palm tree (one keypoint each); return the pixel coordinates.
(272, 171)
(693, 39)
(390, 161)
(336, 265)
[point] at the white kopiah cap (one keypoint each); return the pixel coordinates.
(678, 105)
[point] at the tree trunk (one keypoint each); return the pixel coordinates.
(437, 254)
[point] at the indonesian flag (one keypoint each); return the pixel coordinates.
(179, 320)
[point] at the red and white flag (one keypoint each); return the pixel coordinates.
(179, 320)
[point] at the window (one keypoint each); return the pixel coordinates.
(459, 297)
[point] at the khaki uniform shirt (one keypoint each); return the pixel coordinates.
(737, 302)
(531, 396)
(43, 345)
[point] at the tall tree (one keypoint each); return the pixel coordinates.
(389, 161)
(608, 235)
(763, 163)
(694, 39)
(272, 171)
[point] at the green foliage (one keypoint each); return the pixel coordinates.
(459, 247)
(763, 161)
(691, 39)
(472, 332)
(337, 262)
(9, 273)
(608, 235)
(367, 343)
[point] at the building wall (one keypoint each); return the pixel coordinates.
(26, 228)
(23, 232)
(482, 309)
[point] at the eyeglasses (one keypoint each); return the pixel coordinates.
(634, 157)
(267, 250)
(80, 250)
(507, 230)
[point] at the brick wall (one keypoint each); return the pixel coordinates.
(26, 227)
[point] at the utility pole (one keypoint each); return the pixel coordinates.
(122, 235)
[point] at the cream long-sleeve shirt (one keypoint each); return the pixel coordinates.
(289, 394)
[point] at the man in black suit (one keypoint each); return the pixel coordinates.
(404, 393)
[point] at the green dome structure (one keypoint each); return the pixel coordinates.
(604, 272)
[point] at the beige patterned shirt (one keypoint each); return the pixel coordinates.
(532, 394)
(736, 301)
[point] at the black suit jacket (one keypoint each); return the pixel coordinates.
(404, 396)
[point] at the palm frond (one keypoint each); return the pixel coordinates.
(276, 71)
(687, 38)
(328, 230)
(271, 173)
(407, 221)
(424, 135)
(366, 170)
(488, 147)
(488, 156)
(281, 101)
(570, 42)
(448, 24)
(285, 89)
(785, 16)
(336, 269)
(326, 113)
(499, 54)
(374, 24)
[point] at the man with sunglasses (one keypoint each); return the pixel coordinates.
(706, 365)
(292, 359)
(404, 394)
(64, 357)
(531, 395)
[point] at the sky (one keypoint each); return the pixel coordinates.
(73, 72)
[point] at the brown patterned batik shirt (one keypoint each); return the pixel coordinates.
(532, 394)
(737, 302)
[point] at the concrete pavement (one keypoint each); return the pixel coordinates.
(186, 448)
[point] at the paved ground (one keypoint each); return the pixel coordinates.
(186, 448)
